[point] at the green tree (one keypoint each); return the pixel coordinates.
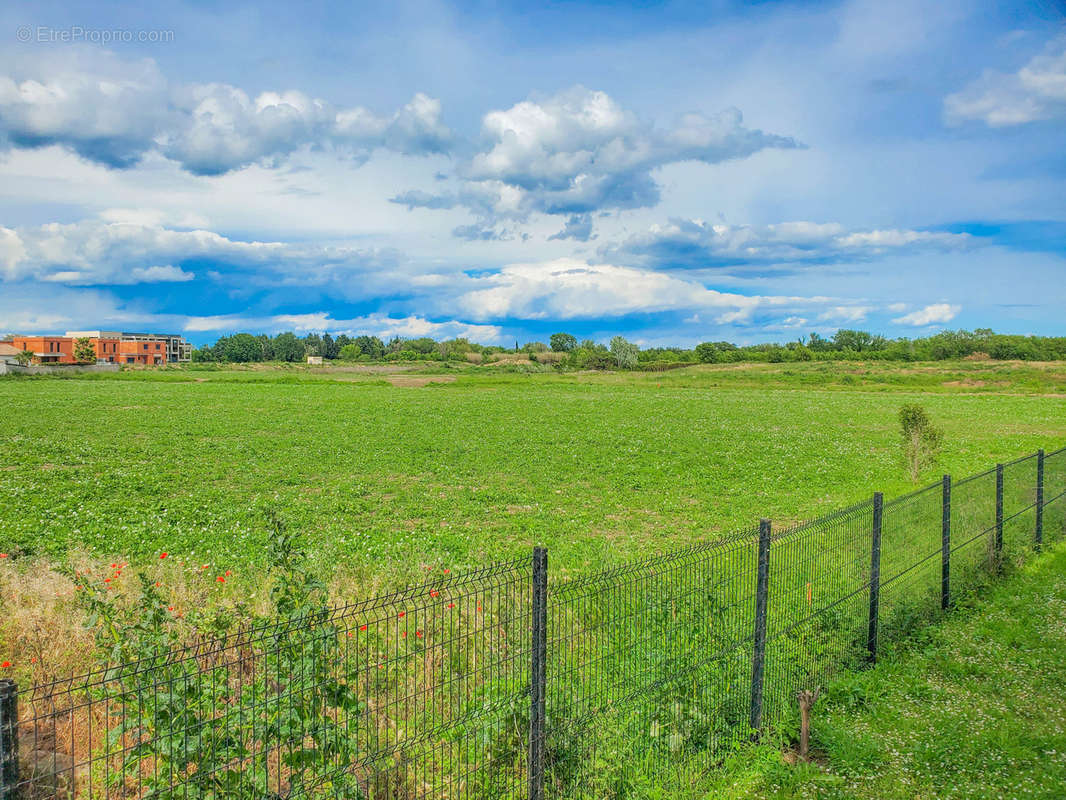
(625, 353)
(25, 357)
(84, 352)
(562, 342)
(330, 349)
(241, 348)
(288, 347)
(371, 346)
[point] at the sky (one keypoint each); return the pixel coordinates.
(671, 172)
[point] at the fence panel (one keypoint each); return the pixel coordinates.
(649, 666)
(1019, 509)
(1055, 495)
(373, 700)
(973, 531)
(911, 563)
(819, 604)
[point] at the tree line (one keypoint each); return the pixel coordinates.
(567, 351)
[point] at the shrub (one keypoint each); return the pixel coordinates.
(921, 440)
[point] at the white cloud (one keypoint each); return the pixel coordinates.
(1035, 92)
(92, 252)
(930, 315)
(845, 314)
(695, 243)
(379, 325)
(579, 151)
(568, 288)
(896, 308)
(114, 112)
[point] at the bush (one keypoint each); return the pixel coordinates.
(920, 442)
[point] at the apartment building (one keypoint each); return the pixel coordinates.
(175, 348)
(113, 347)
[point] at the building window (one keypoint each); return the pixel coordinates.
(130, 359)
(157, 345)
(145, 347)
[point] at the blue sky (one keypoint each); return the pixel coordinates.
(675, 172)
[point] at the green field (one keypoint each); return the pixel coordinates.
(383, 478)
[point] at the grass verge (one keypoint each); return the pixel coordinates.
(974, 707)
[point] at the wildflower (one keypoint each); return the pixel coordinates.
(220, 579)
(447, 571)
(349, 634)
(451, 605)
(205, 566)
(5, 665)
(3, 555)
(162, 555)
(362, 627)
(157, 584)
(228, 573)
(113, 566)
(418, 634)
(403, 613)
(107, 580)
(479, 606)
(404, 634)
(433, 593)
(33, 660)
(170, 608)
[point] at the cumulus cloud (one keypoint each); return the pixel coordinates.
(698, 244)
(93, 252)
(567, 288)
(113, 112)
(578, 151)
(845, 314)
(1037, 91)
(930, 315)
(380, 325)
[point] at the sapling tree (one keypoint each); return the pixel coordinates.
(920, 442)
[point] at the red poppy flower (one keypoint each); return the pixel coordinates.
(157, 584)
(107, 580)
(220, 579)
(228, 573)
(362, 627)
(5, 665)
(170, 608)
(418, 634)
(113, 566)
(433, 593)
(404, 634)
(162, 555)
(447, 571)
(3, 555)
(403, 613)
(451, 605)
(205, 566)
(479, 606)
(349, 634)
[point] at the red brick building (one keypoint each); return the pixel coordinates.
(60, 349)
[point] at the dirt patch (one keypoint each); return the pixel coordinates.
(418, 380)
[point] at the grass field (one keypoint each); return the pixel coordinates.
(384, 475)
(972, 708)
(383, 478)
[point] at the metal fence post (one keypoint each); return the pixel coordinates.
(1039, 498)
(999, 509)
(758, 661)
(537, 673)
(945, 545)
(875, 576)
(9, 738)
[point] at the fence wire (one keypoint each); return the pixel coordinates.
(653, 668)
